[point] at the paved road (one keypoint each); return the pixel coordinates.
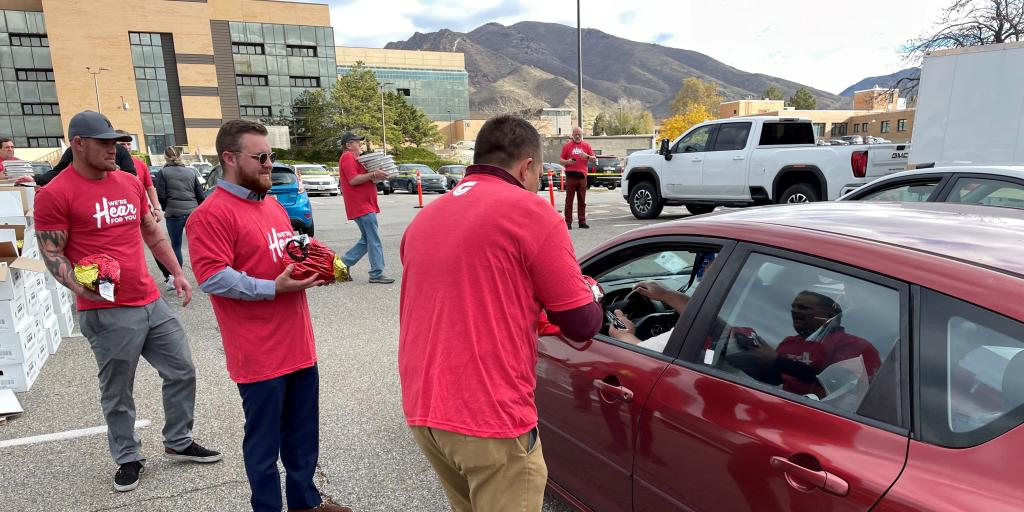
(368, 458)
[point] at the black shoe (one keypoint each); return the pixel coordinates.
(584, 225)
(127, 476)
(194, 453)
(381, 280)
(568, 225)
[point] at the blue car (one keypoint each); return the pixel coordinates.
(286, 189)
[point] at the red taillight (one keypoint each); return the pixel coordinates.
(859, 163)
(302, 186)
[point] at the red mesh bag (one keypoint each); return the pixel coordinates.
(97, 269)
(313, 259)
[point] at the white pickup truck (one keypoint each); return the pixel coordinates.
(746, 161)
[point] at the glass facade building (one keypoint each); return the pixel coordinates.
(275, 64)
(151, 84)
(434, 91)
(29, 112)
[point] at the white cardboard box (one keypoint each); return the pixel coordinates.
(18, 232)
(52, 334)
(43, 308)
(13, 284)
(20, 377)
(66, 322)
(12, 313)
(51, 282)
(21, 344)
(61, 299)
(28, 195)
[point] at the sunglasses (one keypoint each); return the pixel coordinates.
(263, 158)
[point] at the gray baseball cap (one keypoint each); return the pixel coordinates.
(93, 125)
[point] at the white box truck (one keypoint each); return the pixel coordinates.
(970, 107)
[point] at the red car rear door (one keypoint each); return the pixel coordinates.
(790, 393)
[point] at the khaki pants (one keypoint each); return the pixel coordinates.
(481, 474)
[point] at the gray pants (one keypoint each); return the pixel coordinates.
(118, 336)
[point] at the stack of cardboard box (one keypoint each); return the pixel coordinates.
(35, 311)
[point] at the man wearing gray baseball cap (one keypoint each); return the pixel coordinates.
(89, 210)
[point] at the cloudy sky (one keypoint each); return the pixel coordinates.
(828, 45)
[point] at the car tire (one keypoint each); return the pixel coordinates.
(644, 201)
(610, 186)
(386, 190)
(799, 193)
(410, 188)
(699, 209)
(335, 193)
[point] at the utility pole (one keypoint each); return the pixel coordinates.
(579, 66)
(96, 84)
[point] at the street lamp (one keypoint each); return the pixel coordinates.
(451, 138)
(95, 84)
(383, 125)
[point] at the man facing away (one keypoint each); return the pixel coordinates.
(575, 155)
(237, 241)
(359, 192)
(467, 346)
(92, 209)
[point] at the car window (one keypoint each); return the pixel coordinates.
(913, 192)
(988, 192)
(696, 140)
(779, 134)
(676, 273)
(813, 334)
(972, 372)
(314, 170)
(732, 136)
(281, 178)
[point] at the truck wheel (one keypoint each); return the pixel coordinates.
(698, 209)
(798, 193)
(644, 202)
(611, 186)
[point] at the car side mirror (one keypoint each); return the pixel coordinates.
(663, 150)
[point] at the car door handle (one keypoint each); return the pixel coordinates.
(739, 158)
(806, 479)
(696, 160)
(621, 392)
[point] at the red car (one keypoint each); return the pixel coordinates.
(823, 357)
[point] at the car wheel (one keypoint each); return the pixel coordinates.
(410, 188)
(610, 186)
(335, 193)
(644, 201)
(798, 193)
(698, 209)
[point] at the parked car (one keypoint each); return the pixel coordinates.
(852, 139)
(991, 186)
(384, 187)
(204, 168)
(454, 173)
(154, 172)
(606, 172)
(287, 189)
(748, 161)
(900, 384)
(317, 179)
(556, 175)
(430, 180)
(334, 171)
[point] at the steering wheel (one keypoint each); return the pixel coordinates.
(632, 303)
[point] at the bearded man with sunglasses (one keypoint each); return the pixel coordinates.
(237, 241)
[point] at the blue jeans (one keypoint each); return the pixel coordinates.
(368, 243)
(175, 230)
(282, 418)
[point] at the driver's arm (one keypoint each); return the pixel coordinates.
(656, 291)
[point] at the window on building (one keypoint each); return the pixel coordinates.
(254, 111)
(304, 81)
(404, 92)
(819, 130)
(838, 129)
(147, 49)
(301, 51)
(864, 127)
(901, 125)
(250, 79)
(34, 75)
(856, 128)
(29, 40)
(43, 142)
(40, 109)
(885, 127)
(247, 48)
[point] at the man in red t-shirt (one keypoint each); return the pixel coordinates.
(237, 240)
(575, 156)
(359, 191)
(6, 153)
(90, 210)
(467, 368)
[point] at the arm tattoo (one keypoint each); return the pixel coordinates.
(51, 244)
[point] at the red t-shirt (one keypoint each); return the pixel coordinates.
(262, 339)
(359, 199)
(835, 347)
(579, 151)
(142, 171)
(479, 264)
(101, 217)
(2, 160)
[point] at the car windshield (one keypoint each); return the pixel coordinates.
(281, 177)
(312, 170)
(607, 160)
(454, 170)
(413, 168)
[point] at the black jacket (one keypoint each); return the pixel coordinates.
(123, 160)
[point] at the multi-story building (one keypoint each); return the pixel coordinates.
(167, 71)
(435, 82)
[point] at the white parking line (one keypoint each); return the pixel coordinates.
(61, 436)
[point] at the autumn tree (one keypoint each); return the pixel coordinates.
(695, 91)
(676, 125)
(802, 99)
(773, 93)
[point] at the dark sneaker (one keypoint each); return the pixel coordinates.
(381, 280)
(584, 225)
(127, 476)
(325, 506)
(568, 225)
(194, 453)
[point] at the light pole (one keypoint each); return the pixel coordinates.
(96, 84)
(451, 138)
(579, 66)
(383, 124)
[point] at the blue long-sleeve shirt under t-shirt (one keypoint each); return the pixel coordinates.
(231, 283)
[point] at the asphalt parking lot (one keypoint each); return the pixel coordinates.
(369, 461)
